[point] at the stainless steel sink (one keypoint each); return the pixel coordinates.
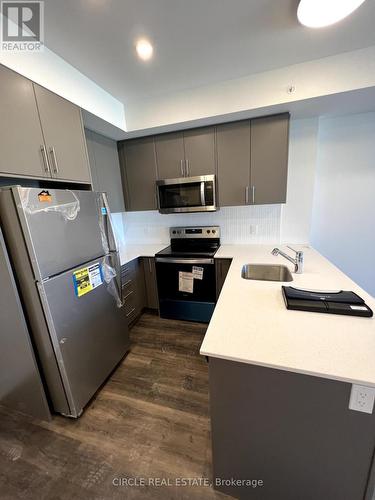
(265, 272)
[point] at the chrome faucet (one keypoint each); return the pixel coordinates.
(298, 261)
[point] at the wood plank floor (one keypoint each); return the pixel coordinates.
(150, 420)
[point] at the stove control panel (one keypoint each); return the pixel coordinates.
(195, 232)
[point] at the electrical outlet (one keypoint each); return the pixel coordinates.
(362, 398)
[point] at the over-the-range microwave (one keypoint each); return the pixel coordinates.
(187, 194)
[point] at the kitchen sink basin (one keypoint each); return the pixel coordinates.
(265, 272)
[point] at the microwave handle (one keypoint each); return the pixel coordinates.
(157, 199)
(203, 194)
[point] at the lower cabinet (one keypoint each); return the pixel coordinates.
(152, 299)
(133, 290)
(221, 267)
(139, 288)
(291, 434)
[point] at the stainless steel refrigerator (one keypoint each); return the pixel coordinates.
(65, 257)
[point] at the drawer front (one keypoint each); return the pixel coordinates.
(133, 289)
(129, 295)
(130, 308)
(128, 286)
(128, 274)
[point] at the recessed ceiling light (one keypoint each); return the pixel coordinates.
(320, 13)
(144, 49)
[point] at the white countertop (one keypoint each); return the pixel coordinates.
(131, 252)
(252, 325)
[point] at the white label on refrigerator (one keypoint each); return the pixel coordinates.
(185, 282)
(197, 273)
(95, 274)
(87, 279)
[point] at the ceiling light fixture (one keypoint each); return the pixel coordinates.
(320, 13)
(144, 49)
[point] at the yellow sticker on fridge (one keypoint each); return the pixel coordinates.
(87, 279)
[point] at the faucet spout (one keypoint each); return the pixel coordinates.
(297, 262)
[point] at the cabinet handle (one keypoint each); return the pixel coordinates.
(150, 265)
(157, 197)
(128, 295)
(247, 195)
(187, 168)
(130, 312)
(45, 159)
(54, 160)
(253, 193)
(182, 168)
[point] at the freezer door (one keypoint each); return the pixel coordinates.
(88, 330)
(62, 228)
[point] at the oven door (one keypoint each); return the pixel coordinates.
(186, 287)
(189, 194)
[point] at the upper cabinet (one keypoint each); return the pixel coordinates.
(138, 167)
(105, 169)
(253, 161)
(269, 159)
(186, 154)
(200, 151)
(64, 137)
(233, 163)
(250, 158)
(170, 155)
(21, 139)
(41, 134)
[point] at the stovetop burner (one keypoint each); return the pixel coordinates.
(202, 241)
(170, 252)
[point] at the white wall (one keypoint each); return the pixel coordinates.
(343, 223)
(288, 223)
(52, 72)
(329, 75)
(297, 212)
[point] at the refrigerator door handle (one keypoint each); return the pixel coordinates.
(114, 251)
(110, 232)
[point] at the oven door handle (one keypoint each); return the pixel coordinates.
(167, 260)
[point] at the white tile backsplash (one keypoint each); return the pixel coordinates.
(252, 224)
(118, 223)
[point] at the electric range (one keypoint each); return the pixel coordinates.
(186, 273)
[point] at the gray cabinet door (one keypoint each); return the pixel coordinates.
(269, 159)
(233, 163)
(140, 284)
(138, 166)
(21, 137)
(151, 283)
(170, 155)
(200, 151)
(221, 268)
(64, 136)
(105, 169)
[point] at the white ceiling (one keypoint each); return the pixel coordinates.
(196, 42)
